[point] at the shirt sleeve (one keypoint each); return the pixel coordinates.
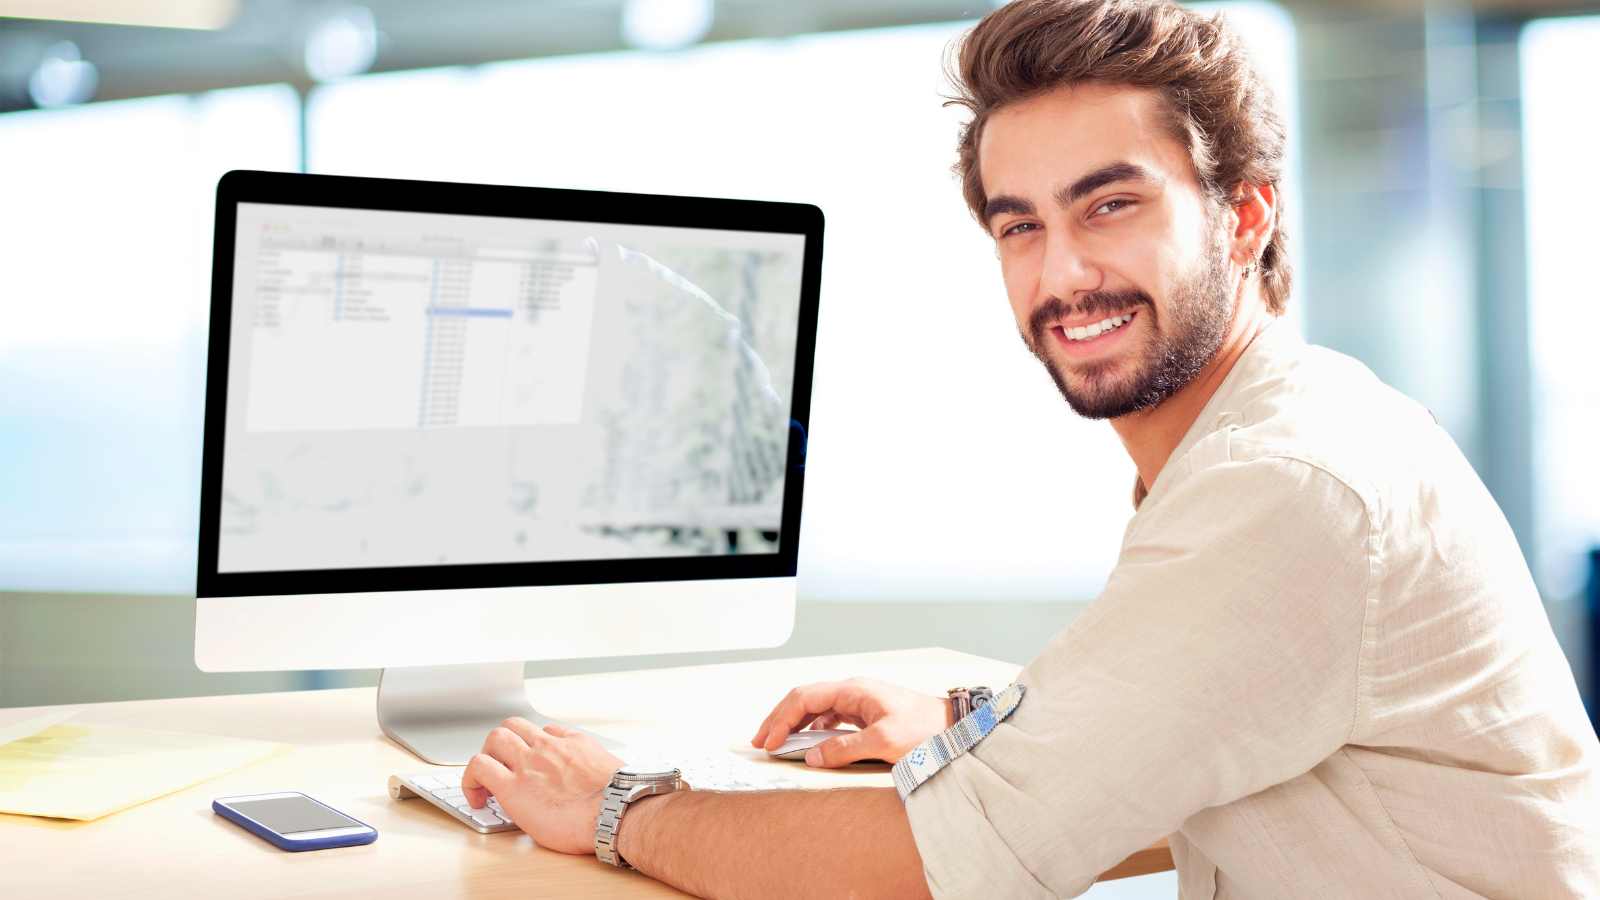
(1221, 659)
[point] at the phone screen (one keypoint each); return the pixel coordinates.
(287, 815)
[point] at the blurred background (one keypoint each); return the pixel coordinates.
(1440, 205)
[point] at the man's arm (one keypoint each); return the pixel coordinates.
(853, 842)
(1223, 658)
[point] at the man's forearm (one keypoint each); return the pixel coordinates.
(854, 842)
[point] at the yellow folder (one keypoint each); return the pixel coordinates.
(73, 771)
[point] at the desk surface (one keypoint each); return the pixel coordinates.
(175, 845)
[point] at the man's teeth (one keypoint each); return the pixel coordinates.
(1098, 328)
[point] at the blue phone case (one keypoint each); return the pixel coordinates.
(294, 846)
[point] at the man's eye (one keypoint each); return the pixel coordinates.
(1111, 206)
(1018, 228)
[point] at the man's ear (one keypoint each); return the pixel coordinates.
(1255, 210)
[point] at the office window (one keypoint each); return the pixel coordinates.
(103, 307)
(943, 464)
(1561, 143)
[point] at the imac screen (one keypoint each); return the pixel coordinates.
(422, 389)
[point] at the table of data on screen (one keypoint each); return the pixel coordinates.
(372, 332)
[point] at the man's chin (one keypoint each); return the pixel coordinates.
(1102, 406)
(1103, 395)
(1100, 389)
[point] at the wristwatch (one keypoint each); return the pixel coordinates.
(626, 786)
(964, 700)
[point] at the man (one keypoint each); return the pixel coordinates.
(1320, 664)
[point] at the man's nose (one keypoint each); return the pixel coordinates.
(1067, 272)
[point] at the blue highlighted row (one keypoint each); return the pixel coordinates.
(471, 311)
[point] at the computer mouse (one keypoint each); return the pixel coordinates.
(796, 744)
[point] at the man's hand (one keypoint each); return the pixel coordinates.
(892, 720)
(547, 780)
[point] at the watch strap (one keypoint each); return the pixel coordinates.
(614, 801)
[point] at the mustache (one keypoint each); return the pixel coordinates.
(1099, 303)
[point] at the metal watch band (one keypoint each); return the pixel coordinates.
(613, 803)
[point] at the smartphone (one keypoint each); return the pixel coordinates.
(293, 821)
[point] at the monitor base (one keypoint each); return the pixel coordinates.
(443, 713)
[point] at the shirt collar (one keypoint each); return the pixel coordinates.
(1268, 347)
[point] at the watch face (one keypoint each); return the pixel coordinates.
(635, 773)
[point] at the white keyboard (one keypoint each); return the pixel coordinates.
(726, 772)
(703, 771)
(442, 788)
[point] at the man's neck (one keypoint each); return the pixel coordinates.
(1151, 435)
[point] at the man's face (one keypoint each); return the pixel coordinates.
(1114, 261)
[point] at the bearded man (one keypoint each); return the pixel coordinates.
(1320, 665)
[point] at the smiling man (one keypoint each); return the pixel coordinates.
(1320, 665)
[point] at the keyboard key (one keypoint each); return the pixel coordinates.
(485, 817)
(427, 782)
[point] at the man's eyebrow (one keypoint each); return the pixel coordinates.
(1099, 178)
(1072, 193)
(1005, 203)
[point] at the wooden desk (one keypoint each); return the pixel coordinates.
(175, 846)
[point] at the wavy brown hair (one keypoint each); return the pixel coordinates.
(1217, 106)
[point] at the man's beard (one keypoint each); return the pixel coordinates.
(1200, 313)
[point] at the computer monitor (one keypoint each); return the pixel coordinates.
(453, 427)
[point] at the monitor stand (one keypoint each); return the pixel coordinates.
(443, 713)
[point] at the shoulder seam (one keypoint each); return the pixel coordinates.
(1269, 451)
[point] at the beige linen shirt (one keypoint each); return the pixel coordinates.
(1320, 665)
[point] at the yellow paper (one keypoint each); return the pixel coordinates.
(73, 771)
(14, 724)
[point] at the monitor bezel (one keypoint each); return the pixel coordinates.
(349, 192)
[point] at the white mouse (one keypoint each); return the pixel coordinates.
(796, 744)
